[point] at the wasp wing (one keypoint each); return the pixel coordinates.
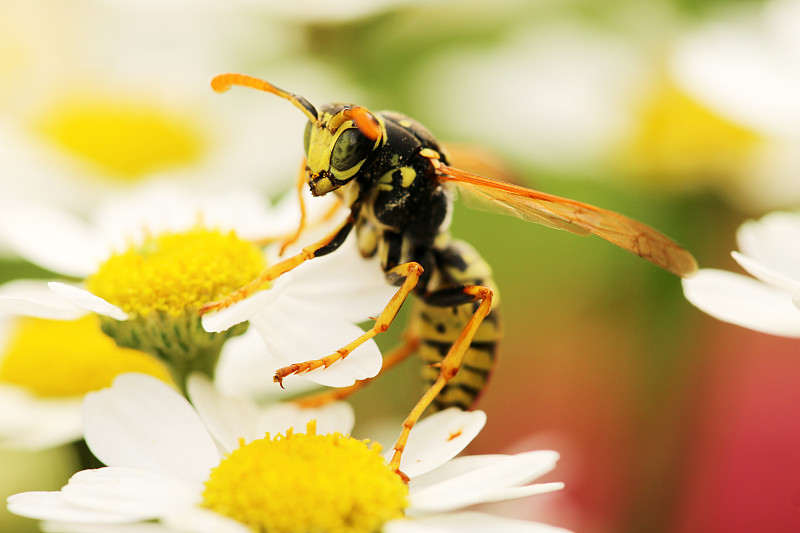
(575, 217)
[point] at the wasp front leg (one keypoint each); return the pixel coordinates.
(324, 246)
(450, 364)
(407, 275)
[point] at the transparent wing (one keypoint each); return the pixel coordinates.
(573, 216)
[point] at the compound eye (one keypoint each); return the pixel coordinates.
(350, 148)
(307, 136)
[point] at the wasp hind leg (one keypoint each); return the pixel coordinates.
(449, 366)
(409, 273)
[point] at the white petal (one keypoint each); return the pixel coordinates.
(245, 309)
(452, 468)
(295, 333)
(142, 423)
(34, 298)
(17, 409)
(143, 527)
(771, 241)
(765, 273)
(737, 72)
(228, 419)
(512, 493)
(38, 423)
(245, 369)
(343, 284)
(438, 438)
(743, 301)
(197, 520)
(467, 523)
(86, 300)
(53, 506)
(488, 483)
(161, 206)
(132, 493)
(53, 239)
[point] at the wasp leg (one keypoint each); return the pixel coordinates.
(409, 273)
(301, 183)
(398, 354)
(292, 237)
(449, 367)
(323, 246)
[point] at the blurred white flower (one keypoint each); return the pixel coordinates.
(557, 95)
(210, 470)
(746, 67)
(97, 96)
(46, 369)
(771, 302)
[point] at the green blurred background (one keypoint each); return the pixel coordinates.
(667, 421)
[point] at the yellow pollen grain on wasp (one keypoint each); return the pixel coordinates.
(53, 358)
(301, 483)
(171, 273)
(126, 138)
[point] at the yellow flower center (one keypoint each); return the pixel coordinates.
(307, 483)
(53, 358)
(162, 284)
(678, 139)
(173, 272)
(125, 138)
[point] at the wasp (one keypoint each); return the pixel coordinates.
(396, 180)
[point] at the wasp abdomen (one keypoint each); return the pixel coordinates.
(439, 321)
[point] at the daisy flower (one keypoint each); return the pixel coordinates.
(572, 86)
(771, 302)
(177, 469)
(98, 97)
(46, 369)
(745, 65)
(173, 253)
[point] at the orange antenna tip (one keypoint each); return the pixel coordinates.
(223, 82)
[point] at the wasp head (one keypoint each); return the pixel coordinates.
(338, 143)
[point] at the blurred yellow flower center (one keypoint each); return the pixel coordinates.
(126, 138)
(679, 139)
(53, 358)
(302, 483)
(175, 272)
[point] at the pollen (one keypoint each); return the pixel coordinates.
(53, 358)
(302, 483)
(173, 272)
(125, 138)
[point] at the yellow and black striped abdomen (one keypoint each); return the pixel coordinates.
(439, 327)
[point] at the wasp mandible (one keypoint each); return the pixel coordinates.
(396, 180)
